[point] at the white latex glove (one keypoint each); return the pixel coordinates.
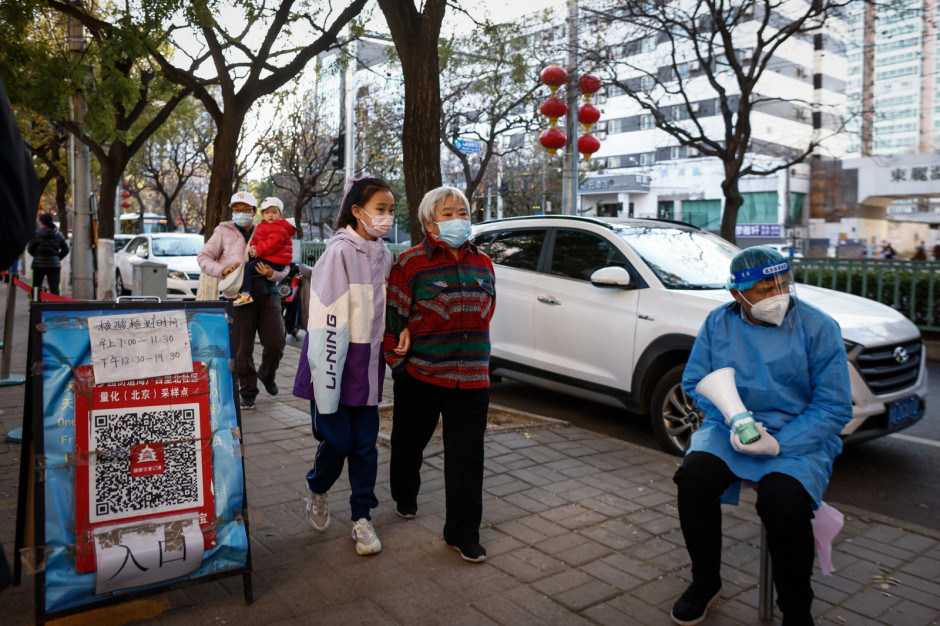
(767, 445)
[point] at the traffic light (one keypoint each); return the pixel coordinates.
(339, 151)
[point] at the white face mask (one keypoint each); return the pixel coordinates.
(772, 310)
(242, 219)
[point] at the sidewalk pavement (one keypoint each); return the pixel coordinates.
(580, 529)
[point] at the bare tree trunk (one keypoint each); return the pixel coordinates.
(107, 196)
(223, 169)
(298, 220)
(61, 209)
(416, 40)
(168, 212)
(733, 202)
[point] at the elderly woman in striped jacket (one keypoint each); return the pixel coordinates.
(442, 292)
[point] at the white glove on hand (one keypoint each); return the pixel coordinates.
(767, 445)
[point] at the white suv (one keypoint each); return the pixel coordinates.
(608, 309)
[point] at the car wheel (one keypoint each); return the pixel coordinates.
(119, 285)
(673, 414)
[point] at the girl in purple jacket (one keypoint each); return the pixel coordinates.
(342, 368)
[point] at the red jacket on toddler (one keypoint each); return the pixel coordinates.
(272, 241)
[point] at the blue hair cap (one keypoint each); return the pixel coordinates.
(752, 265)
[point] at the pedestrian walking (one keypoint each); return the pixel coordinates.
(341, 368)
(442, 292)
(47, 248)
(221, 255)
(792, 375)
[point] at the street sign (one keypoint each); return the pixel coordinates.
(467, 146)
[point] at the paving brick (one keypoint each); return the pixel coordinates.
(611, 575)
(521, 532)
(606, 615)
(633, 567)
(584, 553)
(872, 602)
(586, 595)
(527, 565)
(907, 613)
(543, 526)
(545, 496)
(640, 612)
(559, 583)
(614, 534)
(923, 567)
(504, 611)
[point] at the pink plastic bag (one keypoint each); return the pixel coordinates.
(826, 525)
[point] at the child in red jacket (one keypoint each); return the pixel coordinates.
(271, 243)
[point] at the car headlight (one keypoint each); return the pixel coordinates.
(177, 274)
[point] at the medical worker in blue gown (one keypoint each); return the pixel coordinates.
(791, 373)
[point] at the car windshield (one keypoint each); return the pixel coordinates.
(681, 258)
(176, 246)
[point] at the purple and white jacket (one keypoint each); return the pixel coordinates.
(342, 361)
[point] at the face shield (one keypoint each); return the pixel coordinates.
(767, 290)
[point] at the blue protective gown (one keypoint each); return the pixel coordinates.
(794, 378)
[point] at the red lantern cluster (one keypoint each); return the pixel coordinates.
(554, 107)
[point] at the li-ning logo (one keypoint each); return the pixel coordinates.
(770, 270)
(901, 355)
(331, 351)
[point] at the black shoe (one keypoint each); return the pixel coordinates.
(473, 552)
(693, 605)
(248, 404)
(270, 387)
(408, 512)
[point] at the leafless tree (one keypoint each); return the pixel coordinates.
(486, 99)
(690, 62)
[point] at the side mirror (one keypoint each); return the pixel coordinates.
(616, 277)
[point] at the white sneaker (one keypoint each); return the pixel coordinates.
(318, 510)
(364, 536)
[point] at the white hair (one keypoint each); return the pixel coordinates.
(433, 198)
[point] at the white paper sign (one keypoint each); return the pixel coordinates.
(143, 553)
(139, 345)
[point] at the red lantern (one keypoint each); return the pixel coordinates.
(553, 107)
(589, 84)
(126, 204)
(125, 194)
(588, 115)
(553, 139)
(554, 76)
(588, 145)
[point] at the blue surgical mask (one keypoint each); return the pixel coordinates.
(242, 219)
(454, 232)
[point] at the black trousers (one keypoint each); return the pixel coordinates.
(263, 316)
(51, 274)
(418, 405)
(786, 510)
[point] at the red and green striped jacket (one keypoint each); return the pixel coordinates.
(446, 304)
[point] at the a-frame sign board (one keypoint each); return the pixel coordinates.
(132, 479)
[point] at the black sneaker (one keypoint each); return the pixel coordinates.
(408, 512)
(248, 404)
(270, 387)
(473, 552)
(691, 608)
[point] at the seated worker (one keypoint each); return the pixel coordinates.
(270, 244)
(792, 374)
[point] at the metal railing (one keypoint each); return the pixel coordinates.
(310, 251)
(910, 287)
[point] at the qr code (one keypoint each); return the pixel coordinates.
(114, 491)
